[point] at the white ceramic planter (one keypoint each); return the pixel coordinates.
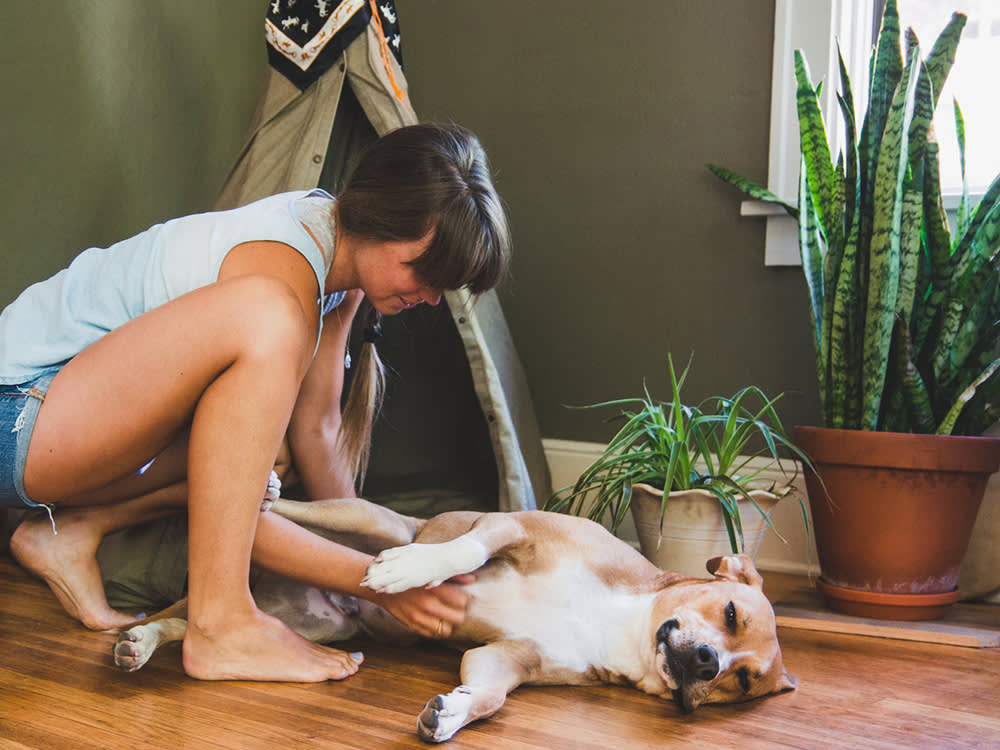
(693, 530)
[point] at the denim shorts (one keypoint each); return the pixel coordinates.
(19, 405)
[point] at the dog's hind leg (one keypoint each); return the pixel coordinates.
(136, 644)
(489, 673)
(374, 526)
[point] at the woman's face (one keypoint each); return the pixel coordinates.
(387, 278)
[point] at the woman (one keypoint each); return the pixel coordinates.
(199, 345)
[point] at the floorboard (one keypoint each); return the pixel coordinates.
(59, 689)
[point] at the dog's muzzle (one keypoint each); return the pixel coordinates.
(686, 664)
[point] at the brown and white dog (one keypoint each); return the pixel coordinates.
(557, 600)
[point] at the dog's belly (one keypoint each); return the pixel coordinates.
(578, 621)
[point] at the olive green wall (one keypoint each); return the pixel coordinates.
(117, 114)
(599, 118)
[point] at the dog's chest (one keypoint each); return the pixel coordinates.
(577, 619)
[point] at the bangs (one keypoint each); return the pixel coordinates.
(470, 248)
(432, 178)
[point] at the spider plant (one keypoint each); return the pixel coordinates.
(673, 446)
(905, 316)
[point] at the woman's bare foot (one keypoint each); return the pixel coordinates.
(262, 648)
(67, 562)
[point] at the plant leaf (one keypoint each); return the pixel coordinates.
(751, 188)
(885, 248)
(820, 172)
(948, 423)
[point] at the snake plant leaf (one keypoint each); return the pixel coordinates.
(845, 99)
(909, 246)
(751, 188)
(948, 423)
(978, 293)
(885, 72)
(815, 147)
(914, 390)
(923, 110)
(938, 246)
(941, 58)
(963, 213)
(849, 198)
(979, 358)
(811, 254)
(884, 269)
(846, 341)
(969, 256)
(834, 386)
(837, 385)
(965, 252)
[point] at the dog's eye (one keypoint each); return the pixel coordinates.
(743, 675)
(731, 616)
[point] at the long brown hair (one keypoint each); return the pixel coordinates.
(418, 179)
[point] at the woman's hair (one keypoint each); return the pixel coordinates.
(363, 400)
(425, 178)
(413, 181)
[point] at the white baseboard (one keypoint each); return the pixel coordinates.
(567, 459)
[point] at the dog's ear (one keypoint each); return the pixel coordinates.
(737, 568)
(788, 681)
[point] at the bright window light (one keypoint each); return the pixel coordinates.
(976, 62)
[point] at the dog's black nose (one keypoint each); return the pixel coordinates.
(664, 631)
(705, 663)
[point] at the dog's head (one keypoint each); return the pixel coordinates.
(716, 640)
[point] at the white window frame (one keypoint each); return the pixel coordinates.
(813, 26)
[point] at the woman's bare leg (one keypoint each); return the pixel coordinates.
(226, 359)
(67, 561)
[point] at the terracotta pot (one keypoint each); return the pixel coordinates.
(893, 515)
(693, 529)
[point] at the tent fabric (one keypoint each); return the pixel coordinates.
(288, 148)
(304, 40)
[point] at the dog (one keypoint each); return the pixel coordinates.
(557, 600)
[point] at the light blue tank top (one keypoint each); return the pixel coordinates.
(54, 320)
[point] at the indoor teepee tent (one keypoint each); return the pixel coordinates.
(334, 83)
(458, 430)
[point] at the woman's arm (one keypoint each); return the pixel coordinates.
(314, 430)
(293, 551)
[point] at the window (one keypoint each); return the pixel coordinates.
(815, 26)
(977, 58)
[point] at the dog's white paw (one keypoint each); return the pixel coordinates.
(444, 715)
(415, 565)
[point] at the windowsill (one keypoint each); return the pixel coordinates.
(781, 246)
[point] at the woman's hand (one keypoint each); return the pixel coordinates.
(430, 612)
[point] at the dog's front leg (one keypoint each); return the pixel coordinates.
(489, 673)
(378, 527)
(418, 564)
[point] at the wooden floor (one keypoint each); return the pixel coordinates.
(59, 689)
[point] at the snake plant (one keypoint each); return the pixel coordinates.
(905, 314)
